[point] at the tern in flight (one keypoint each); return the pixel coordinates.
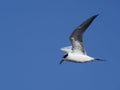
(76, 52)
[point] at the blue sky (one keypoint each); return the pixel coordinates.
(32, 33)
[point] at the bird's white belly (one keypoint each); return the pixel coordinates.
(79, 58)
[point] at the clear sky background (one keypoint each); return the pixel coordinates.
(33, 31)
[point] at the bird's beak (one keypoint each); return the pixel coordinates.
(61, 61)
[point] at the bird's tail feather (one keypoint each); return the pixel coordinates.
(99, 59)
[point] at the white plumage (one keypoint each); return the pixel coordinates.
(76, 52)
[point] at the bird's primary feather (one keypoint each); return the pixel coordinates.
(76, 37)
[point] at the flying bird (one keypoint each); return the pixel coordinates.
(76, 52)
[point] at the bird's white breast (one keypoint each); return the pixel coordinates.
(79, 57)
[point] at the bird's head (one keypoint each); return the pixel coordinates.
(63, 58)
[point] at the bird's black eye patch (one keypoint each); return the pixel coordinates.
(65, 55)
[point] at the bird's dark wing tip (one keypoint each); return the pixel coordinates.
(95, 15)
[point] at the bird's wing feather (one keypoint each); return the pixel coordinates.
(67, 49)
(76, 37)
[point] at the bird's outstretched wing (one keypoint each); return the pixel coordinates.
(76, 37)
(67, 49)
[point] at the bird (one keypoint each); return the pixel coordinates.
(76, 52)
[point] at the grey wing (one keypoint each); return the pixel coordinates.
(76, 37)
